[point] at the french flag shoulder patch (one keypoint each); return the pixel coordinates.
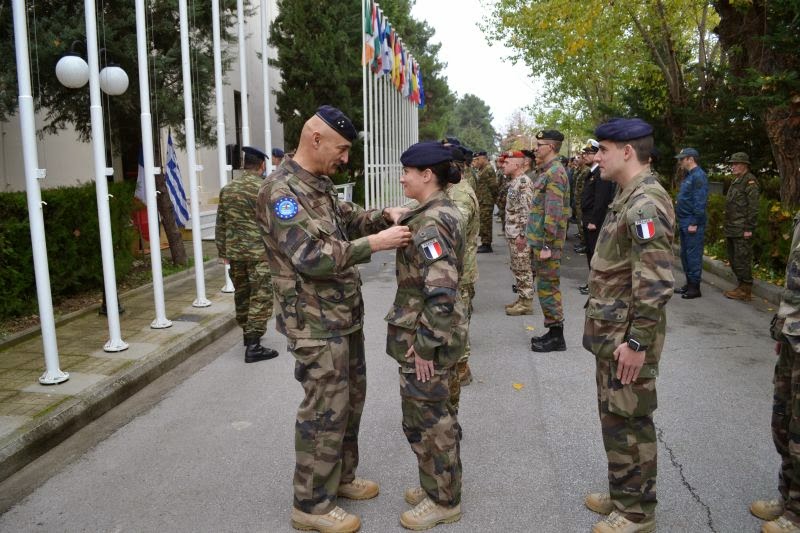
(645, 229)
(432, 250)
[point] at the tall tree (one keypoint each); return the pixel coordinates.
(471, 123)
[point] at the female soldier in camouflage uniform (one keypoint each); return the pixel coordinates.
(426, 333)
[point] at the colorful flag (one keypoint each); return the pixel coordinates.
(141, 185)
(396, 65)
(369, 40)
(421, 89)
(388, 48)
(175, 186)
(415, 83)
(377, 39)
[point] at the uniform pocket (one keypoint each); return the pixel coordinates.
(401, 331)
(436, 389)
(339, 304)
(313, 359)
(633, 400)
(286, 297)
(606, 326)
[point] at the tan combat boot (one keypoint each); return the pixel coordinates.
(428, 514)
(337, 520)
(523, 307)
(512, 304)
(766, 509)
(599, 502)
(741, 292)
(616, 523)
(415, 496)
(780, 525)
(358, 489)
(464, 373)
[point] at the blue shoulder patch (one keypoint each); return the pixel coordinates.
(286, 208)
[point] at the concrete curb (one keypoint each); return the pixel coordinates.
(761, 289)
(38, 436)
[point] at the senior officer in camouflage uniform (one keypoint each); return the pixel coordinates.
(783, 515)
(518, 205)
(315, 242)
(741, 215)
(546, 232)
(629, 285)
(487, 194)
(240, 245)
(426, 333)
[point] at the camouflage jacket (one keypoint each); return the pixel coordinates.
(314, 242)
(465, 200)
(518, 205)
(741, 205)
(787, 324)
(487, 186)
(237, 235)
(471, 176)
(630, 280)
(427, 311)
(550, 210)
(580, 180)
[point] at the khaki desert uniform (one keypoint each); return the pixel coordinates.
(518, 202)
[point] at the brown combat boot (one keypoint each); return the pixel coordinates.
(766, 509)
(428, 514)
(524, 307)
(780, 525)
(358, 489)
(741, 292)
(616, 523)
(464, 373)
(599, 502)
(337, 520)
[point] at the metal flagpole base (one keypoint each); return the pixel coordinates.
(115, 346)
(55, 378)
(160, 323)
(228, 283)
(201, 302)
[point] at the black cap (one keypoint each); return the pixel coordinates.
(451, 140)
(426, 154)
(255, 152)
(529, 154)
(623, 129)
(337, 120)
(277, 152)
(480, 153)
(550, 135)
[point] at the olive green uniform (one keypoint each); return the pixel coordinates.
(741, 214)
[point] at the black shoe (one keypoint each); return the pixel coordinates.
(692, 292)
(681, 290)
(584, 289)
(255, 353)
(540, 338)
(484, 249)
(580, 249)
(553, 342)
(576, 235)
(514, 289)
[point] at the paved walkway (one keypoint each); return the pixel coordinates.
(35, 417)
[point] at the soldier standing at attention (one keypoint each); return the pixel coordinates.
(691, 208)
(503, 183)
(315, 242)
(546, 232)
(487, 194)
(518, 205)
(630, 283)
(426, 333)
(741, 215)
(597, 194)
(239, 244)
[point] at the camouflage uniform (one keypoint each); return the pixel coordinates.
(547, 226)
(785, 414)
(463, 197)
(239, 241)
(518, 202)
(503, 183)
(315, 242)
(630, 283)
(741, 214)
(471, 177)
(428, 315)
(487, 194)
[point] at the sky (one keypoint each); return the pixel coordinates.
(472, 65)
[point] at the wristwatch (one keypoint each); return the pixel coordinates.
(635, 345)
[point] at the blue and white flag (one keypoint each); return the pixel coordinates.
(141, 184)
(175, 186)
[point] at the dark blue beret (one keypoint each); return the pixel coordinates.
(426, 154)
(338, 121)
(480, 153)
(451, 140)
(623, 129)
(550, 135)
(277, 152)
(255, 152)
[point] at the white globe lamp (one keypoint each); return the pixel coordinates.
(72, 71)
(113, 80)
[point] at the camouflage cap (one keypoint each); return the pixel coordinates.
(739, 157)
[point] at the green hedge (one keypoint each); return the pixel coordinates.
(73, 243)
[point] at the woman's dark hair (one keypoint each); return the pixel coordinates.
(445, 172)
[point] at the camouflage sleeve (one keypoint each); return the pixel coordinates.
(650, 222)
(359, 222)
(525, 198)
(753, 193)
(789, 310)
(554, 193)
(311, 243)
(440, 290)
(220, 228)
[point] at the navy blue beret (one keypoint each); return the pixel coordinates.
(426, 154)
(451, 140)
(255, 152)
(338, 121)
(623, 129)
(550, 135)
(277, 152)
(480, 153)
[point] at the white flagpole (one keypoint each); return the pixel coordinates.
(161, 320)
(265, 83)
(53, 374)
(381, 189)
(200, 282)
(372, 139)
(365, 105)
(243, 74)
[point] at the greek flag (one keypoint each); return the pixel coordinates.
(175, 186)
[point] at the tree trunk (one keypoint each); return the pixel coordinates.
(783, 130)
(168, 221)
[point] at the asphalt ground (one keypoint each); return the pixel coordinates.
(210, 448)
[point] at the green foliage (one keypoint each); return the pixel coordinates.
(471, 123)
(72, 235)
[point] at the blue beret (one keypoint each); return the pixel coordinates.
(623, 129)
(688, 152)
(451, 140)
(277, 152)
(338, 121)
(480, 153)
(255, 152)
(550, 135)
(426, 154)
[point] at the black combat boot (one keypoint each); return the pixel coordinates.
(254, 352)
(681, 290)
(692, 291)
(552, 342)
(484, 249)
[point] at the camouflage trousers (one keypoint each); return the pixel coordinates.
(466, 292)
(333, 373)
(786, 428)
(521, 268)
(486, 211)
(252, 295)
(740, 254)
(629, 438)
(548, 288)
(431, 427)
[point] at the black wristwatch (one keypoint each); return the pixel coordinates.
(635, 345)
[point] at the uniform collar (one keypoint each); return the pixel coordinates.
(422, 207)
(624, 193)
(321, 183)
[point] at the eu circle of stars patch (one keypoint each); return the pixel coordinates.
(286, 208)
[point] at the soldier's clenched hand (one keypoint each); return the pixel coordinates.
(394, 214)
(629, 363)
(389, 239)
